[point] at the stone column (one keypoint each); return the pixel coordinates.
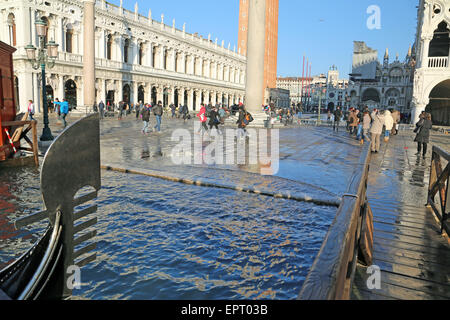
(161, 56)
(60, 88)
(102, 91)
(171, 95)
(255, 55)
(190, 99)
(119, 88)
(183, 63)
(159, 94)
(134, 98)
(417, 110)
(89, 53)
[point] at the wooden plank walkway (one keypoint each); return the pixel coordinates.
(414, 258)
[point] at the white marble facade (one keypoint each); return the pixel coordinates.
(432, 74)
(137, 58)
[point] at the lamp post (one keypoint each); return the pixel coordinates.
(43, 58)
(321, 94)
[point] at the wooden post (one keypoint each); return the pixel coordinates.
(35, 143)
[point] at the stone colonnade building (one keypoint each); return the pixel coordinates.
(136, 57)
(432, 75)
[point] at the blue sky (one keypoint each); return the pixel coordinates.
(323, 30)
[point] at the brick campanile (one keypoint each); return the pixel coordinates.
(270, 58)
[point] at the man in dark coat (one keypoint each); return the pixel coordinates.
(145, 112)
(158, 112)
(337, 119)
(424, 127)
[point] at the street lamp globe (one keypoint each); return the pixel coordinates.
(52, 50)
(31, 52)
(41, 28)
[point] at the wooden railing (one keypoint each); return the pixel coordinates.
(349, 239)
(439, 183)
(21, 133)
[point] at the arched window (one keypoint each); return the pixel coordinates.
(108, 47)
(12, 29)
(125, 50)
(69, 37)
(439, 46)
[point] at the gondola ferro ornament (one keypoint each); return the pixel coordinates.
(71, 164)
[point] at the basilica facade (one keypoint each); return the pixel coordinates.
(381, 85)
(136, 57)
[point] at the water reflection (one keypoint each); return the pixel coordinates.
(418, 174)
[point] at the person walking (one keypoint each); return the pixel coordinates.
(145, 113)
(158, 112)
(359, 133)
(121, 106)
(214, 120)
(30, 109)
(389, 124)
(243, 121)
(101, 106)
(138, 109)
(203, 118)
(376, 130)
(396, 116)
(57, 105)
(64, 111)
(173, 108)
(367, 121)
(424, 127)
(337, 119)
(353, 121)
(222, 114)
(184, 112)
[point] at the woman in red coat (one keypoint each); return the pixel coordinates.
(202, 117)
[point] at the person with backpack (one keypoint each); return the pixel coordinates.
(64, 111)
(245, 118)
(214, 120)
(158, 112)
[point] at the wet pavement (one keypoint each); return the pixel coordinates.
(412, 255)
(160, 239)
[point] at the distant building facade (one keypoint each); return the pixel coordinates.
(380, 85)
(278, 97)
(337, 91)
(432, 52)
